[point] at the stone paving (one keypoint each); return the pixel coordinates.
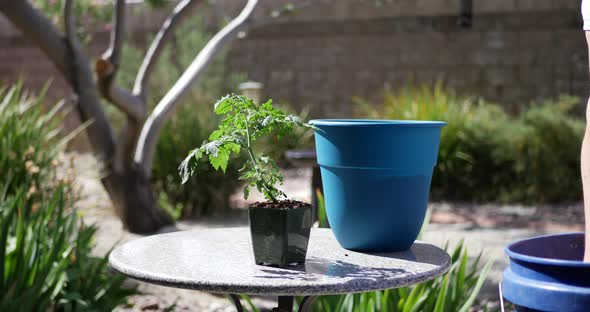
(486, 228)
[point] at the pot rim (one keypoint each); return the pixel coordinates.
(376, 123)
(541, 260)
(307, 205)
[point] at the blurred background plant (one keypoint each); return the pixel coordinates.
(44, 246)
(297, 139)
(488, 155)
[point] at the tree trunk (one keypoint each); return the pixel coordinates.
(127, 160)
(128, 187)
(133, 197)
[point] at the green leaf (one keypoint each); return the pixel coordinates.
(220, 159)
(233, 147)
(216, 134)
(223, 105)
(480, 280)
(442, 295)
(460, 280)
(267, 105)
(412, 300)
(457, 252)
(189, 164)
(322, 216)
(212, 148)
(246, 192)
(249, 301)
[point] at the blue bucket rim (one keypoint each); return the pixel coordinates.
(377, 123)
(545, 261)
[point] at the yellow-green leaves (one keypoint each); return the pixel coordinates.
(244, 122)
(223, 105)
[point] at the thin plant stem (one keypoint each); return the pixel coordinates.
(255, 162)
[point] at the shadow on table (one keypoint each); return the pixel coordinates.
(378, 265)
(318, 268)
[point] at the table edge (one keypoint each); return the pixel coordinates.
(290, 290)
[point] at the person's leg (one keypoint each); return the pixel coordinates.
(585, 166)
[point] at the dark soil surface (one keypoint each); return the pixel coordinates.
(283, 204)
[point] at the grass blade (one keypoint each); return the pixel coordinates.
(482, 277)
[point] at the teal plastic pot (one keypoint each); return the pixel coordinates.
(376, 176)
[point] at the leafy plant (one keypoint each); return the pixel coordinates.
(45, 257)
(207, 190)
(27, 136)
(486, 154)
(244, 123)
(298, 138)
(33, 255)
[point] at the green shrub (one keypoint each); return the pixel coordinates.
(207, 190)
(276, 147)
(487, 155)
(549, 153)
(45, 257)
(25, 135)
(44, 249)
(34, 255)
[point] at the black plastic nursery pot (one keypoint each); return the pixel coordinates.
(280, 235)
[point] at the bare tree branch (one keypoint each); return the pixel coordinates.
(183, 10)
(72, 63)
(106, 68)
(113, 54)
(127, 102)
(146, 145)
(69, 22)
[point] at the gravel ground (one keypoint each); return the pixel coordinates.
(485, 228)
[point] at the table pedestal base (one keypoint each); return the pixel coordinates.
(285, 303)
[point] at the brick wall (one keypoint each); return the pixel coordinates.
(516, 51)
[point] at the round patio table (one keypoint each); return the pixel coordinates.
(222, 261)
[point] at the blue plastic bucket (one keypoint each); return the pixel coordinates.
(546, 273)
(376, 178)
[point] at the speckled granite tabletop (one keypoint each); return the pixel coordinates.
(221, 261)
